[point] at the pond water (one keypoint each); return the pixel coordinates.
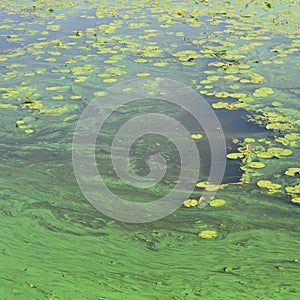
(242, 57)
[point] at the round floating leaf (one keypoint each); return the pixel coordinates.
(188, 63)
(292, 171)
(293, 189)
(235, 155)
(263, 92)
(220, 105)
(208, 186)
(249, 140)
(217, 202)
(256, 165)
(222, 94)
(28, 131)
(76, 97)
(141, 60)
(277, 103)
(268, 184)
(109, 80)
(264, 154)
(292, 136)
(283, 141)
(280, 151)
(190, 203)
(7, 105)
(160, 64)
(211, 187)
(201, 184)
(58, 97)
(207, 234)
(142, 74)
(274, 152)
(197, 136)
(296, 200)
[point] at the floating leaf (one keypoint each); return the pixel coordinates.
(292, 136)
(292, 171)
(217, 202)
(263, 92)
(293, 189)
(188, 63)
(109, 80)
(28, 131)
(278, 152)
(218, 105)
(256, 165)
(207, 234)
(58, 88)
(296, 200)
(277, 103)
(249, 140)
(268, 184)
(80, 79)
(274, 152)
(222, 94)
(190, 203)
(197, 136)
(142, 74)
(58, 97)
(208, 186)
(76, 97)
(7, 105)
(283, 141)
(161, 64)
(235, 155)
(212, 187)
(19, 122)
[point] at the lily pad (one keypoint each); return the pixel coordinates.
(296, 200)
(235, 155)
(207, 234)
(256, 165)
(197, 136)
(274, 152)
(142, 74)
(220, 105)
(293, 189)
(263, 92)
(217, 202)
(208, 186)
(268, 184)
(292, 171)
(190, 203)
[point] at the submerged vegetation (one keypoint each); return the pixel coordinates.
(241, 56)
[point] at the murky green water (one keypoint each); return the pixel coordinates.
(242, 56)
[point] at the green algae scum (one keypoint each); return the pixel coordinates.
(243, 57)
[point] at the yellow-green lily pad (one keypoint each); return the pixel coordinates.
(292, 171)
(263, 92)
(268, 184)
(218, 105)
(190, 203)
(197, 136)
(208, 186)
(235, 155)
(256, 165)
(217, 202)
(296, 200)
(207, 234)
(293, 189)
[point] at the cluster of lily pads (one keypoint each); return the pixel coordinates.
(56, 69)
(254, 156)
